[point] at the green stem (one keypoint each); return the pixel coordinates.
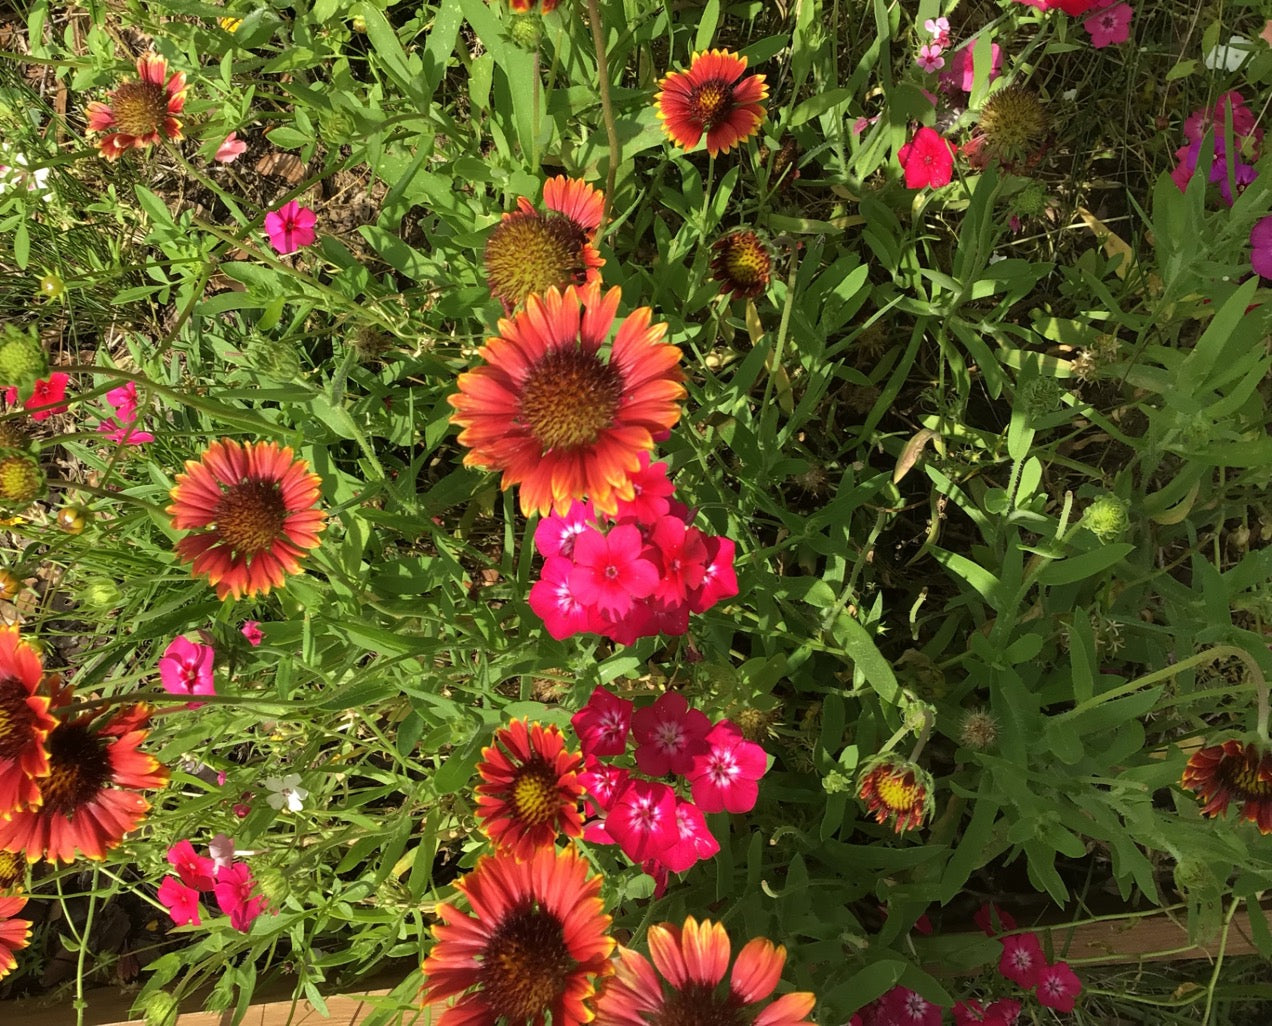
(105, 493)
(607, 104)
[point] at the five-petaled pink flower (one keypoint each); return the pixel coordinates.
(1058, 987)
(603, 724)
(1109, 26)
(668, 735)
(928, 160)
(1261, 247)
(1022, 959)
(724, 777)
(610, 570)
(234, 897)
(182, 902)
(186, 669)
(231, 149)
(930, 58)
(290, 227)
(642, 819)
(195, 870)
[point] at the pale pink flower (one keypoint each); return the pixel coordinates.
(930, 58)
(230, 150)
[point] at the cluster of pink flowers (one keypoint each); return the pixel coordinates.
(1230, 112)
(1109, 25)
(645, 817)
(930, 58)
(635, 575)
(121, 428)
(230, 882)
(186, 669)
(45, 398)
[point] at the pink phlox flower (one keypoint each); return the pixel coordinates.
(694, 841)
(669, 735)
(939, 30)
(123, 434)
(652, 490)
(231, 149)
(1058, 987)
(637, 622)
(194, 870)
(602, 725)
(611, 570)
(929, 58)
(968, 1013)
(683, 555)
(1109, 26)
(182, 902)
(960, 73)
(1003, 1012)
(1229, 106)
(604, 782)
(643, 819)
(186, 669)
(234, 897)
(124, 401)
(906, 1008)
(555, 600)
(724, 777)
(1022, 959)
(251, 630)
(719, 581)
(290, 227)
(993, 920)
(45, 398)
(221, 851)
(927, 159)
(1243, 176)
(554, 535)
(1261, 247)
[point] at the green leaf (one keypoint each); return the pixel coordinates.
(867, 657)
(1088, 564)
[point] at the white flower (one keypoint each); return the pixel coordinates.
(36, 181)
(286, 791)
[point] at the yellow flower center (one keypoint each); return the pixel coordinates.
(139, 107)
(710, 103)
(569, 398)
(534, 794)
(899, 792)
(78, 769)
(16, 719)
(20, 479)
(250, 516)
(529, 254)
(525, 966)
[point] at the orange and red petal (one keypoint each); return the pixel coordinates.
(757, 970)
(580, 202)
(788, 1010)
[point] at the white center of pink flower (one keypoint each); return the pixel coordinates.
(722, 768)
(669, 737)
(1021, 958)
(915, 1007)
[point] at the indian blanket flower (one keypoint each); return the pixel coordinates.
(1109, 26)
(530, 790)
(894, 788)
(12, 871)
(603, 724)
(140, 113)
(682, 985)
(25, 725)
(714, 97)
(724, 777)
(290, 227)
(251, 505)
(186, 669)
(1234, 771)
(532, 950)
(669, 735)
(556, 417)
(741, 264)
(927, 159)
(15, 933)
(90, 796)
(1058, 987)
(529, 253)
(1022, 959)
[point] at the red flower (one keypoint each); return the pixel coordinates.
(927, 159)
(694, 841)
(651, 493)
(669, 735)
(533, 949)
(904, 1007)
(234, 897)
(253, 506)
(692, 961)
(1022, 959)
(1233, 771)
(642, 820)
(724, 777)
(46, 398)
(195, 870)
(141, 112)
(682, 551)
(530, 788)
(182, 902)
(604, 723)
(554, 416)
(15, 934)
(1058, 987)
(719, 580)
(25, 725)
(712, 97)
(610, 570)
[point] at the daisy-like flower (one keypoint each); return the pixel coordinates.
(90, 796)
(741, 264)
(25, 725)
(895, 788)
(15, 934)
(530, 790)
(140, 113)
(533, 948)
(252, 504)
(1233, 772)
(682, 986)
(713, 97)
(554, 416)
(529, 253)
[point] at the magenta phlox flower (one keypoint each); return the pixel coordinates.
(251, 630)
(554, 535)
(643, 819)
(724, 777)
(45, 398)
(1229, 107)
(1022, 959)
(1058, 987)
(555, 601)
(120, 428)
(929, 58)
(683, 556)
(182, 902)
(602, 725)
(1243, 176)
(234, 897)
(195, 870)
(668, 735)
(719, 581)
(186, 669)
(1109, 26)
(960, 71)
(694, 841)
(652, 493)
(1261, 247)
(904, 1007)
(290, 227)
(611, 570)
(604, 783)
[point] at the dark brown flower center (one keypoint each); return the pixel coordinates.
(569, 398)
(697, 1005)
(250, 516)
(525, 966)
(710, 103)
(746, 261)
(79, 768)
(1243, 778)
(139, 107)
(529, 253)
(11, 866)
(16, 719)
(534, 794)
